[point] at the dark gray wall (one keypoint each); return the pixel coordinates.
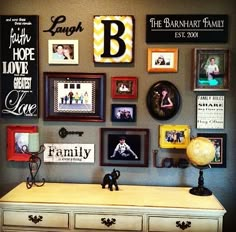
(220, 180)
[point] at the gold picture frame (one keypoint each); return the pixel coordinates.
(162, 60)
(174, 136)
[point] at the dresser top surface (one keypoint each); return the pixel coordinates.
(128, 195)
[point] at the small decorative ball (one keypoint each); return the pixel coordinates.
(200, 151)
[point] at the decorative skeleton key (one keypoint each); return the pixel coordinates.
(63, 132)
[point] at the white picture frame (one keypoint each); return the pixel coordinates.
(63, 51)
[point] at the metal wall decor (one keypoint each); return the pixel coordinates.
(163, 100)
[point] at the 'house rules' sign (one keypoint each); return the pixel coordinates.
(186, 28)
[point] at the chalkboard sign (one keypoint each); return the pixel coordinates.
(19, 66)
(186, 28)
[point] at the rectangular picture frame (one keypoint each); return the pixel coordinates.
(74, 96)
(113, 151)
(219, 140)
(123, 113)
(17, 137)
(174, 136)
(124, 87)
(211, 69)
(63, 51)
(162, 60)
(210, 112)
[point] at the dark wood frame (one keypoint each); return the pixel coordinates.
(93, 113)
(109, 138)
(115, 107)
(12, 155)
(153, 100)
(220, 138)
(131, 82)
(201, 57)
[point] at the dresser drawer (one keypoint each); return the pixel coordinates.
(35, 219)
(179, 224)
(109, 222)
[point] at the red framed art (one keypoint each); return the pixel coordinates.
(17, 136)
(124, 87)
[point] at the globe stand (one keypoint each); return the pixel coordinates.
(200, 190)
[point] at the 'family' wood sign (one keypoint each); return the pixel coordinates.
(186, 28)
(19, 66)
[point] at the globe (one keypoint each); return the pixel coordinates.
(200, 151)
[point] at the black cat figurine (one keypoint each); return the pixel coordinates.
(110, 179)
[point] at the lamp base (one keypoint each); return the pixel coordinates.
(200, 191)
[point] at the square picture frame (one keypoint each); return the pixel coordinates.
(74, 96)
(174, 136)
(63, 51)
(17, 137)
(124, 87)
(162, 60)
(211, 69)
(127, 147)
(219, 140)
(123, 113)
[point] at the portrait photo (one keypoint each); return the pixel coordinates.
(124, 147)
(211, 69)
(174, 136)
(162, 59)
(163, 100)
(63, 52)
(123, 113)
(124, 87)
(219, 141)
(18, 142)
(21, 141)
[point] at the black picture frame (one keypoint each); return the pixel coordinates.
(154, 100)
(219, 140)
(123, 113)
(137, 139)
(86, 104)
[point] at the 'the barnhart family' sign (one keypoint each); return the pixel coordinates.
(19, 66)
(77, 153)
(186, 28)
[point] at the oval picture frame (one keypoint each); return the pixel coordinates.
(166, 108)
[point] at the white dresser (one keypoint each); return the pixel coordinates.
(87, 207)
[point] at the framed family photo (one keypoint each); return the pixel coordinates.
(163, 100)
(174, 136)
(124, 147)
(123, 113)
(63, 51)
(124, 87)
(219, 140)
(74, 96)
(162, 60)
(211, 69)
(17, 139)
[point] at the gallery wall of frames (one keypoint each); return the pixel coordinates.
(82, 96)
(90, 86)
